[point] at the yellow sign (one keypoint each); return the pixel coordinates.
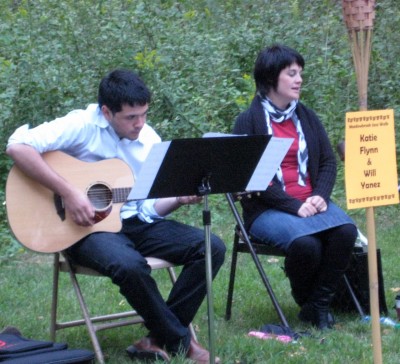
(370, 160)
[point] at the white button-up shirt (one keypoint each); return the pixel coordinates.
(87, 136)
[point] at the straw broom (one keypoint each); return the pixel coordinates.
(359, 17)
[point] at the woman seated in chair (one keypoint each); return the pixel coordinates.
(295, 213)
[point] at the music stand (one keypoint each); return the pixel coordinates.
(204, 166)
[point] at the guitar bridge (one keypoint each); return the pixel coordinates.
(58, 203)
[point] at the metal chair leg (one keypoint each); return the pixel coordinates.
(354, 297)
(54, 300)
(89, 325)
(228, 311)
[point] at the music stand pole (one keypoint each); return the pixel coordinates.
(205, 190)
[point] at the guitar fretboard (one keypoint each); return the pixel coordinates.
(120, 194)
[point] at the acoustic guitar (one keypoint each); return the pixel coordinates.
(36, 215)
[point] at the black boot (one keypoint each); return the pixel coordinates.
(338, 245)
(320, 318)
(317, 309)
(300, 288)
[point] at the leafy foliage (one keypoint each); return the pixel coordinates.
(196, 56)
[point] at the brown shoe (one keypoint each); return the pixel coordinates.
(198, 354)
(147, 349)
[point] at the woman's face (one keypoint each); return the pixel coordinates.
(289, 86)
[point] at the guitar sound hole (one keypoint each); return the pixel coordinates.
(100, 196)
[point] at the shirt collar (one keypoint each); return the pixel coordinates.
(102, 122)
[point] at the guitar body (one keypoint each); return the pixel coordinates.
(36, 216)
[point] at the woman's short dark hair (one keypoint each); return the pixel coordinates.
(269, 64)
(122, 87)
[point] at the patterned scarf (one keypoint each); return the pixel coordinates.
(277, 115)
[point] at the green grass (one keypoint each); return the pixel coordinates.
(26, 281)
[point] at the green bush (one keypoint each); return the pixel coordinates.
(196, 56)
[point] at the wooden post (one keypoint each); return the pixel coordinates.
(359, 17)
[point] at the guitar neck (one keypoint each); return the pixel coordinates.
(120, 194)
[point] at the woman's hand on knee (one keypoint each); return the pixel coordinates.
(307, 209)
(318, 202)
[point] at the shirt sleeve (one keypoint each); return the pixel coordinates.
(19, 136)
(58, 134)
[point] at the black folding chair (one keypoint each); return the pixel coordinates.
(242, 243)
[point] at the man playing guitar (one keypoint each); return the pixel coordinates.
(116, 128)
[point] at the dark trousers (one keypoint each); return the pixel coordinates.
(121, 257)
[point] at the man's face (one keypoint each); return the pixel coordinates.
(128, 122)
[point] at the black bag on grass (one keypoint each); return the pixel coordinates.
(358, 277)
(16, 349)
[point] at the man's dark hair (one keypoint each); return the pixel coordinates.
(269, 64)
(121, 87)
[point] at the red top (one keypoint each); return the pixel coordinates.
(289, 165)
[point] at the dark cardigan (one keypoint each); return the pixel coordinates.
(321, 161)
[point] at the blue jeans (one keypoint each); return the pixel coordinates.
(120, 256)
